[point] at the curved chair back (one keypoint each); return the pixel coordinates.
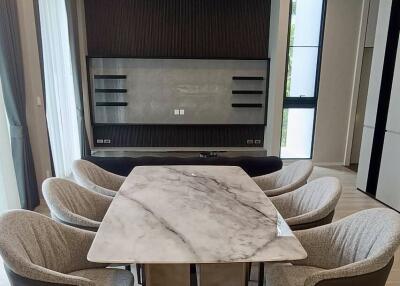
(372, 234)
(311, 205)
(357, 250)
(95, 178)
(36, 247)
(75, 205)
(295, 174)
(286, 180)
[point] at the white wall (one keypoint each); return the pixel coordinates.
(341, 41)
(277, 52)
(34, 93)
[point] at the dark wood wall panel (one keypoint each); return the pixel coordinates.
(178, 135)
(178, 28)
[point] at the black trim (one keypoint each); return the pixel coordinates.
(247, 92)
(267, 92)
(384, 98)
(248, 78)
(111, 103)
(182, 58)
(111, 90)
(247, 105)
(109, 76)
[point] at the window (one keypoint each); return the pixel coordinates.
(9, 198)
(302, 77)
(59, 86)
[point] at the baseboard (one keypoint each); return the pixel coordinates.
(329, 164)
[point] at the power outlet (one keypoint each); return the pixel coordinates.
(100, 141)
(250, 141)
(257, 141)
(107, 141)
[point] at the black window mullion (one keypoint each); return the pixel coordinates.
(299, 102)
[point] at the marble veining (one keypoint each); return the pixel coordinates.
(192, 214)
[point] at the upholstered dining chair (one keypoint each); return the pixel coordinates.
(288, 179)
(355, 251)
(38, 251)
(311, 205)
(75, 205)
(95, 178)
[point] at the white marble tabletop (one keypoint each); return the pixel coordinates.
(192, 214)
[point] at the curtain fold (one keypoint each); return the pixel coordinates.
(11, 72)
(71, 6)
(60, 88)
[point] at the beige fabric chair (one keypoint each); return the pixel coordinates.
(311, 205)
(286, 180)
(95, 178)
(40, 251)
(74, 205)
(355, 251)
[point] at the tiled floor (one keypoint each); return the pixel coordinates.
(350, 202)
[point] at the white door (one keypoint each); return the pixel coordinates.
(365, 157)
(389, 176)
(377, 62)
(393, 121)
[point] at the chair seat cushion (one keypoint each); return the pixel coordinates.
(286, 274)
(106, 276)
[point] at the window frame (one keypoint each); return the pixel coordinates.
(304, 102)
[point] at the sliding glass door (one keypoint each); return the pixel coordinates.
(302, 77)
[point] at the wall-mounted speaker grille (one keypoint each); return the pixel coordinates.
(179, 135)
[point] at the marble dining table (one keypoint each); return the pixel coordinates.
(214, 217)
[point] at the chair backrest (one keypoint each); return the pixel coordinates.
(90, 175)
(372, 234)
(31, 242)
(320, 195)
(296, 173)
(65, 197)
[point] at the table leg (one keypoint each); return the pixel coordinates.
(261, 274)
(221, 274)
(139, 273)
(167, 274)
(193, 275)
(128, 267)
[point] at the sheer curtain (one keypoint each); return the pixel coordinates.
(9, 197)
(59, 86)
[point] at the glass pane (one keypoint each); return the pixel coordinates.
(297, 132)
(302, 69)
(305, 22)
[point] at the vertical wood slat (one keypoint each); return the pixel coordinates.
(178, 28)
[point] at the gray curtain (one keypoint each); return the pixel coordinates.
(71, 6)
(12, 77)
